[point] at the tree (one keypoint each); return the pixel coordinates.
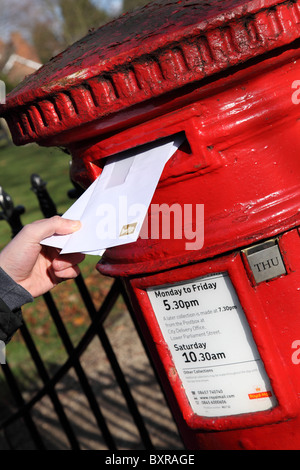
(52, 25)
(78, 17)
(8, 85)
(67, 21)
(46, 42)
(129, 5)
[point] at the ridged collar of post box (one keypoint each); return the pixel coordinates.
(145, 54)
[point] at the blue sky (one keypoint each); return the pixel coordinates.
(110, 5)
(9, 20)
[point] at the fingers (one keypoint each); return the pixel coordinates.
(41, 229)
(66, 266)
(66, 261)
(69, 273)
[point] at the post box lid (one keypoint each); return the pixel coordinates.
(142, 55)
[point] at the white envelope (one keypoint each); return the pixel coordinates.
(112, 210)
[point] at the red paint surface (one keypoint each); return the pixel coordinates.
(222, 73)
(270, 310)
(162, 48)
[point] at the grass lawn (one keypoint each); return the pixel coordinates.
(16, 166)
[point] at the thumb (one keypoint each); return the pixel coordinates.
(56, 225)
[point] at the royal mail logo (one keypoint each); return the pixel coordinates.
(128, 229)
(258, 395)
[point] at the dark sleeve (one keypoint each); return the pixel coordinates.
(10, 322)
(12, 297)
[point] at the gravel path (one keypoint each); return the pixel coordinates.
(135, 365)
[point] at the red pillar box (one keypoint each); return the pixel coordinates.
(220, 316)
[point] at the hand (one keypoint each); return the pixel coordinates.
(39, 268)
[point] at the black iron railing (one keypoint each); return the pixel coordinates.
(96, 330)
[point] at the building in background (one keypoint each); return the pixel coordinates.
(18, 59)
